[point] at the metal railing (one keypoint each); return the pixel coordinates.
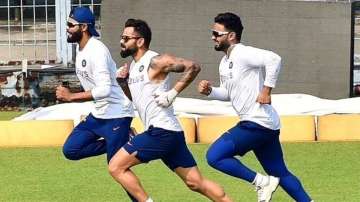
(63, 7)
(94, 5)
(35, 30)
(27, 30)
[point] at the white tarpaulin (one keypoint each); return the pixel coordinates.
(285, 104)
(66, 111)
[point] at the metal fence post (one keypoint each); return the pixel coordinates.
(63, 49)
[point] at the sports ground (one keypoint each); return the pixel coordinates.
(328, 170)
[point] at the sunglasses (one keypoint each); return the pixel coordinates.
(71, 25)
(127, 38)
(217, 34)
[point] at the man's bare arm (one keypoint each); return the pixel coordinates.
(64, 94)
(164, 64)
(125, 87)
(122, 76)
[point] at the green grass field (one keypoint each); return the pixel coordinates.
(9, 115)
(329, 171)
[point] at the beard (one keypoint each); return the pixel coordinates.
(128, 52)
(75, 37)
(222, 46)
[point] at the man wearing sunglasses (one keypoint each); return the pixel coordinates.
(106, 128)
(148, 80)
(242, 82)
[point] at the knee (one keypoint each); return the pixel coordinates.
(115, 169)
(211, 159)
(70, 154)
(194, 184)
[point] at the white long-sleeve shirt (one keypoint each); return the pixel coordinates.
(242, 79)
(96, 71)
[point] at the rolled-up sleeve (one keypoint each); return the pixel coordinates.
(272, 63)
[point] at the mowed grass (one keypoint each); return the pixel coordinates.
(8, 115)
(328, 171)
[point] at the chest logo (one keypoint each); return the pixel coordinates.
(83, 63)
(141, 68)
(230, 65)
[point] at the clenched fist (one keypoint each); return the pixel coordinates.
(204, 87)
(63, 94)
(165, 99)
(123, 72)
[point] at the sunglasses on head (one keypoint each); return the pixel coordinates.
(216, 33)
(127, 38)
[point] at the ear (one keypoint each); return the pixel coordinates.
(84, 27)
(232, 36)
(140, 42)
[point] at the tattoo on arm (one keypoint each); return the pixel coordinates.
(189, 75)
(152, 62)
(167, 63)
(176, 68)
(173, 66)
(189, 70)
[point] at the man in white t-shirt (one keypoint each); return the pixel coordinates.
(106, 128)
(149, 85)
(242, 82)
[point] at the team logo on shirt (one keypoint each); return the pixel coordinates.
(141, 68)
(83, 63)
(230, 65)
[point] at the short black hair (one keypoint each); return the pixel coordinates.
(231, 22)
(142, 28)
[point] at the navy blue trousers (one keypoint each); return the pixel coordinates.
(94, 136)
(249, 136)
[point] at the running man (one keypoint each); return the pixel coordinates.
(106, 128)
(242, 82)
(149, 85)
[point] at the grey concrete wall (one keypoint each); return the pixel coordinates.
(313, 38)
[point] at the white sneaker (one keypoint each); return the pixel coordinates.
(265, 192)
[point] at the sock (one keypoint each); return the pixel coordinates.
(260, 180)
